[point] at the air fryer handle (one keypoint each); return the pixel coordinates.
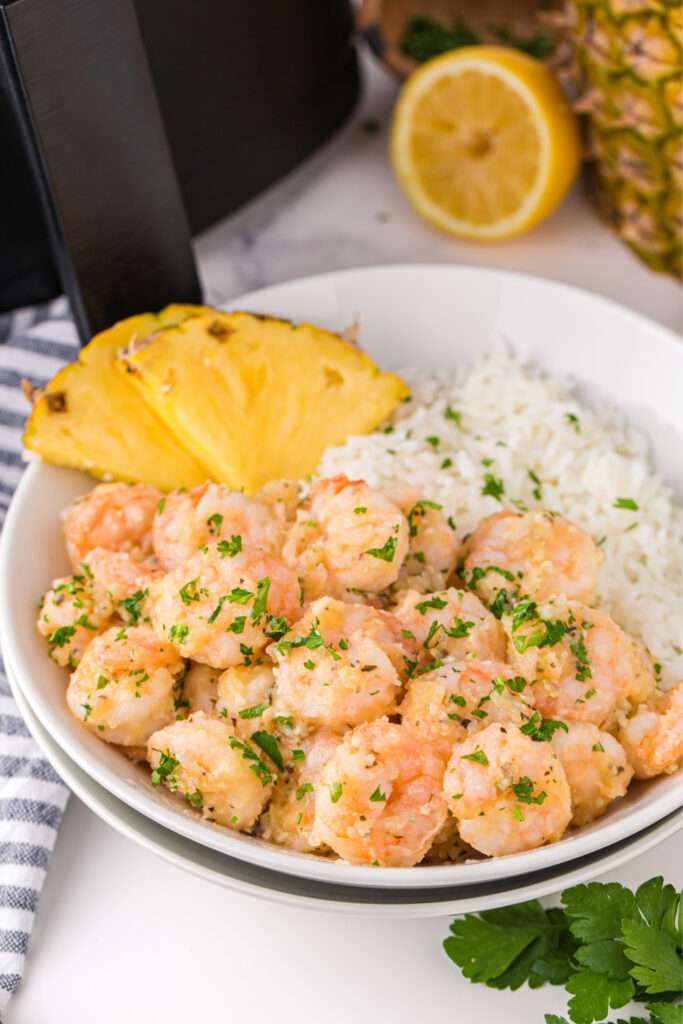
(80, 82)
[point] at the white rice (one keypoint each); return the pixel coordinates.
(520, 419)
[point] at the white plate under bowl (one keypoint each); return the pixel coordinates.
(290, 890)
(439, 316)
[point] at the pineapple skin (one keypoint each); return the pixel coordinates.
(627, 56)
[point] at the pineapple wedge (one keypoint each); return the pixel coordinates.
(90, 416)
(256, 398)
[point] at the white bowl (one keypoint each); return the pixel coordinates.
(290, 890)
(440, 316)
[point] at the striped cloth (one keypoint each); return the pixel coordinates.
(33, 343)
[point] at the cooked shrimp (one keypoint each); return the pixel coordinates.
(348, 540)
(187, 520)
(596, 768)
(508, 792)
(653, 737)
(222, 610)
(70, 616)
(378, 800)
(451, 622)
(243, 695)
(583, 666)
(343, 664)
(432, 544)
(201, 759)
(124, 687)
(200, 688)
(460, 698)
(118, 579)
(117, 517)
(537, 554)
(283, 496)
(289, 818)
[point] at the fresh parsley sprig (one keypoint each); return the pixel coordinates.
(607, 945)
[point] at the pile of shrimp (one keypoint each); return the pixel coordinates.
(337, 673)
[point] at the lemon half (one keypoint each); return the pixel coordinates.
(484, 142)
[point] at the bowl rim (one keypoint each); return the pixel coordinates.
(277, 858)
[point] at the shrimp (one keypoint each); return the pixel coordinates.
(117, 517)
(289, 818)
(200, 689)
(342, 665)
(451, 622)
(70, 616)
(187, 520)
(243, 695)
(583, 666)
(507, 792)
(653, 737)
(222, 610)
(460, 698)
(201, 759)
(124, 687)
(122, 582)
(432, 544)
(537, 554)
(596, 768)
(378, 799)
(348, 540)
(283, 496)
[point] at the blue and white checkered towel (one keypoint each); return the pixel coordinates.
(34, 344)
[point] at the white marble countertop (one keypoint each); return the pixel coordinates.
(122, 936)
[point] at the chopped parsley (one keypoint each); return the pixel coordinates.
(215, 522)
(573, 421)
(524, 790)
(626, 503)
(60, 637)
(237, 625)
(261, 599)
(230, 547)
(598, 748)
(538, 486)
(178, 633)
(188, 593)
(303, 790)
(446, 464)
(131, 605)
(433, 441)
(478, 756)
(386, 552)
(493, 486)
(454, 416)
(268, 744)
(167, 765)
(540, 729)
(252, 712)
(161, 505)
(360, 511)
(87, 711)
(435, 602)
(336, 790)
(377, 796)
(298, 755)
(578, 649)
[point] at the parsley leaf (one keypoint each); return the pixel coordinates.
(269, 746)
(386, 552)
(594, 994)
(626, 503)
(493, 486)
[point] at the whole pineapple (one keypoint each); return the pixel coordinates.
(627, 56)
